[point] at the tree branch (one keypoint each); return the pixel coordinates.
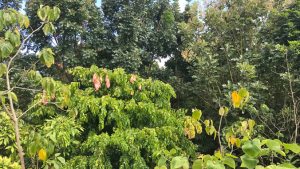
(27, 89)
(29, 109)
(8, 113)
(23, 44)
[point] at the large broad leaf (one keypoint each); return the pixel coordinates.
(56, 13)
(46, 29)
(242, 92)
(178, 162)
(23, 20)
(3, 69)
(13, 96)
(197, 164)
(229, 161)
(252, 149)
(1, 25)
(197, 114)
(162, 161)
(293, 147)
(249, 162)
(46, 57)
(7, 18)
(42, 14)
(50, 15)
(13, 18)
(15, 39)
(275, 146)
(285, 166)
(6, 49)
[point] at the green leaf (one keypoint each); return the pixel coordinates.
(162, 161)
(242, 92)
(274, 146)
(15, 39)
(207, 130)
(210, 165)
(7, 34)
(219, 165)
(166, 152)
(61, 159)
(13, 96)
(46, 29)
(14, 11)
(238, 142)
(56, 13)
(50, 15)
(285, 166)
(163, 167)
(2, 100)
(230, 155)
(264, 142)
(56, 166)
(6, 49)
(3, 69)
(259, 167)
(13, 18)
(197, 164)
(7, 18)
(206, 122)
(178, 161)
(23, 20)
(249, 162)
(229, 161)
(172, 151)
(264, 151)
(42, 14)
(293, 147)
(251, 123)
(252, 149)
(1, 25)
(197, 114)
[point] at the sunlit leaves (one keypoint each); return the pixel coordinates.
(56, 13)
(197, 114)
(13, 96)
(46, 57)
(50, 14)
(23, 20)
(6, 48)
(3, 69)
(252, 149)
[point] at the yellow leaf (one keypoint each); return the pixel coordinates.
(43, 154)
(232, 140)
(235, 97)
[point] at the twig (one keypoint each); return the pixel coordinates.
(294, 103)
(29, 109)
(27, 89)
(23, 75)
(11, 59)
(8, 113)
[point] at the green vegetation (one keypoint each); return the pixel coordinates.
(80, 88)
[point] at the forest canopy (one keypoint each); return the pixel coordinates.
(83, 85)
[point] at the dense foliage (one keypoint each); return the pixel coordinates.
(80, 86)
